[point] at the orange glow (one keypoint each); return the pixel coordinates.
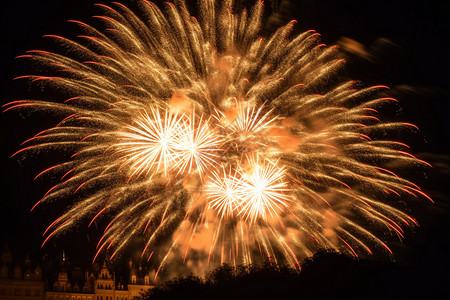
(180, 103)
(287, 141)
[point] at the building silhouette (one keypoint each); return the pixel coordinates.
(29, 280)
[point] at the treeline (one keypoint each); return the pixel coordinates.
(327, 275)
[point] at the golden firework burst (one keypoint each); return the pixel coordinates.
(187, 128)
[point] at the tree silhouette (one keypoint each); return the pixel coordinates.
(327, 275)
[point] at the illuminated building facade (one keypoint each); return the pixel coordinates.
(20, 281)
(28, 282)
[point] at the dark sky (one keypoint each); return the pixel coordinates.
(408, 41)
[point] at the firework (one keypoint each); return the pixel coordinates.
(150, 145)
(183, 127)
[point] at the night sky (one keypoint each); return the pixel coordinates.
(405, 47)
